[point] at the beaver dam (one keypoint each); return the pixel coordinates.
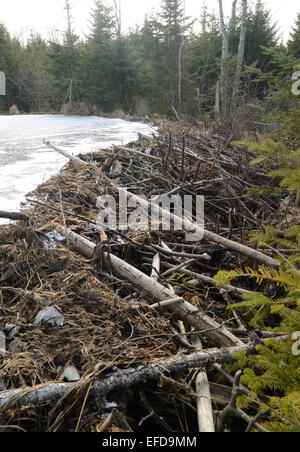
(127, 330)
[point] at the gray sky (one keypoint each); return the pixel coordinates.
(45, 15)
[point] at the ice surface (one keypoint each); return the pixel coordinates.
(25, 162)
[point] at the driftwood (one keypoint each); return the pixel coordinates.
(184, 310)
(189, 225)
(53, 392)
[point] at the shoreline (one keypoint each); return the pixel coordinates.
(123, 117)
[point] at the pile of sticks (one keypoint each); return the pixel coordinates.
(155, 265)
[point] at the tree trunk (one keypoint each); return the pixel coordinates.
(225, 82)
(180, 75)
(217, 103)
(121, 379)
(241, 55)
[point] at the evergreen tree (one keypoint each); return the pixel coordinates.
(150, 63)
(71, 53)
(123, 75)
(261, 33)
(172, 27)
(65, 61)
(96, 66)
(202, 56)
(9, 60)
(33, 78)
(160, 61)
(294, 42)
(272, 375)
(280, 150)
(5, 48)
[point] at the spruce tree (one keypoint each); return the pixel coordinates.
(10, 60)
(294, 42)
(202, 56)
(173, 26)
(272, 374)
(151, 53)
(261, 32)
(65, 58)
(96, 66)
(5, 58)
(33, 77)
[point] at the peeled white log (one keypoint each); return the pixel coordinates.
(184, 310)
(64, 153)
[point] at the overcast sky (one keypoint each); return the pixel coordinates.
(46, 15)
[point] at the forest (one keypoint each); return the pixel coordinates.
(163, 62)
(141, 331)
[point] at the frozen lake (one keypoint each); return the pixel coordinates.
(25, 161)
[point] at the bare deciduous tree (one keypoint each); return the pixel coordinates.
(228, 94)
(118, 16)
(226, 31)
(241, 53)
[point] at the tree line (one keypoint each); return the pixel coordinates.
(164, 61)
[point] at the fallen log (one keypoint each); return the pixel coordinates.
(184, 310)
(14, 216)
(64, 153)
(53, 392)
